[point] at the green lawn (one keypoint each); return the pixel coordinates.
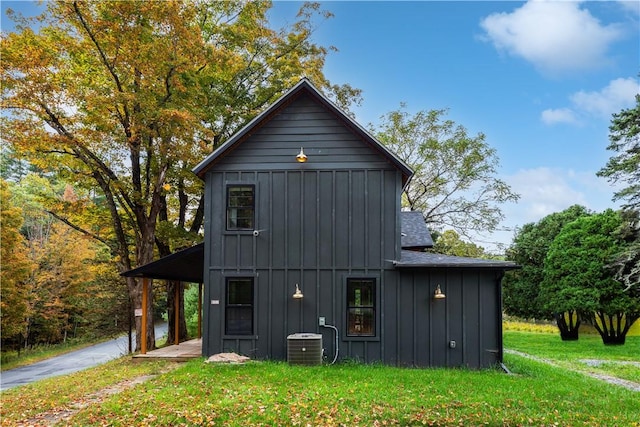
(577, 354)
(274, 393)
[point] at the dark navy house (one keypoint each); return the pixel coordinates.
(304, 234)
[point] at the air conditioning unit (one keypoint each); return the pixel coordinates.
(304, 349)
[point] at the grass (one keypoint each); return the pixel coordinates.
(273, 393)
(55, 394)
(574, 354)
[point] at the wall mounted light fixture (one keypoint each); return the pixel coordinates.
(298, 293)
(437, 294)
(301, 157)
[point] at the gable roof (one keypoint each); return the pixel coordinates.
(186, 265)
(414, 231)
(304, 86)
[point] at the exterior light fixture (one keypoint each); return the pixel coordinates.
(437, 294)
(298, 293)
(301, 157)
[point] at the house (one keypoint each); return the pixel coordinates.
(304, 234)
(306, 248)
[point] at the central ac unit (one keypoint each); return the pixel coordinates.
(304, 349)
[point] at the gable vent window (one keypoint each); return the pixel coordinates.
(361, 319)
(239, 306)
(240, 207)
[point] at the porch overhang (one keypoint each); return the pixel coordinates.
(186, 265)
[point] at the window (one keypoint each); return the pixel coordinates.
(361, 318)
(239, 306)
(240, 207)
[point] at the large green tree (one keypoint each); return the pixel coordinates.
(576, 277)
(455, 183)
(624, 166)
(626, 264)
(450, 243)
(124, 98)
(529, 249)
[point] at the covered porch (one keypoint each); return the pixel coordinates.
(181, 352)
(185, 266)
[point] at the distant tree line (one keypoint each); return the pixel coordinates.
(580, 266)
(57, 284)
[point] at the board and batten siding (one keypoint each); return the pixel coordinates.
(469, 316)
(319, 222)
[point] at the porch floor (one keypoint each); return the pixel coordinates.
(186, 350)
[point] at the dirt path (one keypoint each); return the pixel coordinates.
(60, 415)
(630, 385)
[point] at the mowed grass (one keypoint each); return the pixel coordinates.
(275, 393)
(621, 361)
(58, 393)
(350, 394)
(270, 393)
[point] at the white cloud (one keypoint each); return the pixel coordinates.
(559, 115)
(630, 5)
(618, 94)
(555, 36)
(543, 191)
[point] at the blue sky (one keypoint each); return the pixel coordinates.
(539, 79)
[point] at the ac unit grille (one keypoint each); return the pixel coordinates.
(304, 349)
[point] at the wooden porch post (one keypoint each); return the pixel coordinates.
(199, 310)
(143, 321)
(176, 314)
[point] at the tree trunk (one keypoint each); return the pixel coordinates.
(613, 328)
(569, 324)
(171, 313)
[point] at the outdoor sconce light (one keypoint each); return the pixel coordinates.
(301, 157)
(298, 293)
(437, 294)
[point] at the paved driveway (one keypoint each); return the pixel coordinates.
(70, 362)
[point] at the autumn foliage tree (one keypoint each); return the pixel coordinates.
(15, 271)
(56, 282)
(122, 99)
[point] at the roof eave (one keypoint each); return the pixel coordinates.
(201, 169)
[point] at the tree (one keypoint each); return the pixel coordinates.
(624, 138)
(626, 264)
(67, 291)
(122, 99)
(454, 182)
(520, 288)
(450, 243)
(576, 277)
(15, 271)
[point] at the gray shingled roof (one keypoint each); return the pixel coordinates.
(415, 234)
(424, 259)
